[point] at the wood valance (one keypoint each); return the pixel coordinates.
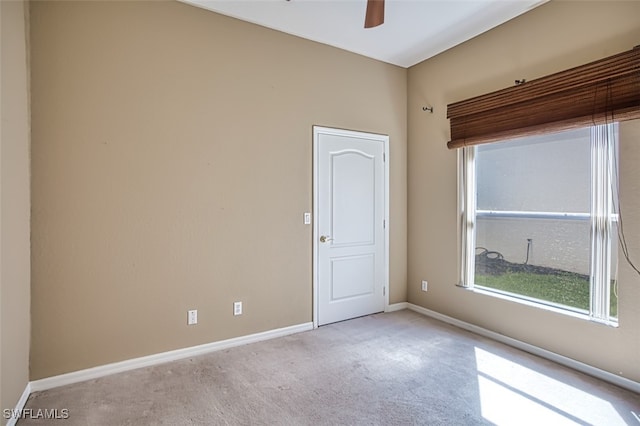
(603, 91)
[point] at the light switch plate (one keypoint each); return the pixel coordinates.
(307, 218)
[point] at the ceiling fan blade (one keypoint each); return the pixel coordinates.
(375, 13)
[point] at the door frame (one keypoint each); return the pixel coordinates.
(317, 131)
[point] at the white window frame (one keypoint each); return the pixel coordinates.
(601, 217)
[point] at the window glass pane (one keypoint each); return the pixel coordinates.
(533, 226)
(544, 259)
(614, 226)
(614, 271)
(549, 173)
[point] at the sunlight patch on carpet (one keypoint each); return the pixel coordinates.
(511, 392)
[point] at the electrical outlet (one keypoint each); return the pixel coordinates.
(237, 308)
(424, 285)
(192, 317)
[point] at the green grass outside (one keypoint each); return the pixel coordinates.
(569, 290)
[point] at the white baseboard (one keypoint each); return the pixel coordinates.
(146, 361)
(105, 370)
(397, 307)
(19, 406)
(535, 350)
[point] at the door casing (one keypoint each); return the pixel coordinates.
(317, 131)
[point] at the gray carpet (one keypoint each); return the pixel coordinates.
(388, 369)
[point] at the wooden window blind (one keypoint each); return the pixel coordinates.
(603, 91)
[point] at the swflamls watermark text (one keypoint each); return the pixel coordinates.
(36, 413)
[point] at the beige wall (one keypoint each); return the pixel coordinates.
(14, 205)
(553, 37)
(172, 164)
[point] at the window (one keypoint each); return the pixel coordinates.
(539, 220)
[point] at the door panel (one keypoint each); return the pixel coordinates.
(352, 198)
(349, 257)
(352, 276)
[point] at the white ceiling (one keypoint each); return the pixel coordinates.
(414, 30)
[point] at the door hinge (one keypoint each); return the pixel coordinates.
(384, 157)
(384, 224)
(384, 291)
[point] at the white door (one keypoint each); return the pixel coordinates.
(350, 252)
